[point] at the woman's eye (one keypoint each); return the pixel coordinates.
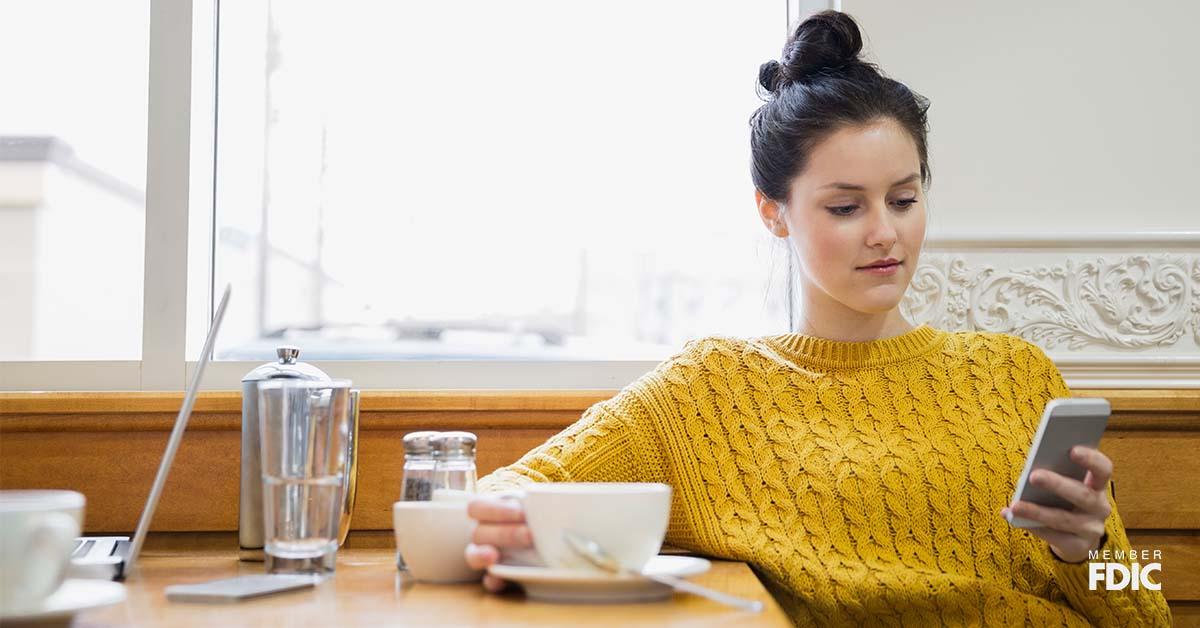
(846, 210)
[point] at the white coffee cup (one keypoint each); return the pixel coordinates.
(432, 536)
(628, 520)
(37, 534)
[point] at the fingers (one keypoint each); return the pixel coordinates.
(1084, 525)
(502, 535)
(1093, 460)
(481, 556)
(1070, 532)
(493, 509)
(1072, 490)
(493, 584)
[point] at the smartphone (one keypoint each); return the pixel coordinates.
(1066, 423)
(239, 588)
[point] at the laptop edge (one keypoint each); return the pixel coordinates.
(115, 557)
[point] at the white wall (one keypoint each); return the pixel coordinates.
(1051, 115)
(1051, 121)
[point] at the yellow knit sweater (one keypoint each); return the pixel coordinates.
(863, 481)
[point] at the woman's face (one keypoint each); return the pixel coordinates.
(858, 201)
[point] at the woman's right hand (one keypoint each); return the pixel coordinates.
(501, 526)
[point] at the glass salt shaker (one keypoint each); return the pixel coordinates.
(417, 485)
(454, 463)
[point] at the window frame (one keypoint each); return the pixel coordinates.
(178, 280)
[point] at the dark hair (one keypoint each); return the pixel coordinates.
(818, 87)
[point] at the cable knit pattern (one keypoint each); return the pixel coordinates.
(862, 481)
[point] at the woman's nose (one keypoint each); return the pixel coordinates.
(881, 232)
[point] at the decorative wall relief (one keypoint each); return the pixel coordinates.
(1127, 302)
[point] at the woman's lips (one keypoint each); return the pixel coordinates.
(884, 271)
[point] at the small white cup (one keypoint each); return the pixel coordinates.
(451, 495)
(628, 520)
(37, 533)
(432, 536)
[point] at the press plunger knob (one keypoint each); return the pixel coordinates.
(287, 355)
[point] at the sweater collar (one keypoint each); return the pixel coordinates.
(847, 355)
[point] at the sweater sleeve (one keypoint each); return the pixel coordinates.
(609, 443)
(1126, 607)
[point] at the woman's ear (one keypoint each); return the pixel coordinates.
(772, 214)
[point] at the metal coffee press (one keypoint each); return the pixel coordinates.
(250, 503)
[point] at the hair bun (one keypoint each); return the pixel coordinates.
(770, 74)
(824, 43)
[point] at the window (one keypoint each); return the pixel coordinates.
(72, 173)
(481, 180)
(444, 195)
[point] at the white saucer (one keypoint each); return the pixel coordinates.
(72, 596)
(568, 585)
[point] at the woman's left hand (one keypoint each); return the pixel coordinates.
(1071, 533)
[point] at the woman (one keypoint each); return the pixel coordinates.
(861, 465)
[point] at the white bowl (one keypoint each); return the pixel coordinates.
(432, 538)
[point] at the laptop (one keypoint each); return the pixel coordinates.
(114, 556)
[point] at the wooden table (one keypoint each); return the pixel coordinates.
(369, 591)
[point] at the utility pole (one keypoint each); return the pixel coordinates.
(264, 236)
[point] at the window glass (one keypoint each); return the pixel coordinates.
(477, 180)
(72, 179)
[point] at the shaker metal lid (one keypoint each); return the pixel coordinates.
(419, 442)
(287, 366)
(455, 444)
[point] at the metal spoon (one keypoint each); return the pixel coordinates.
(594, 554)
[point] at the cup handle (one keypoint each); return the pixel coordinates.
(50, 544)
(527, 557)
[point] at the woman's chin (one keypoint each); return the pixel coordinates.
(879, 300)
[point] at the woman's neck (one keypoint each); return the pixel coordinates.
(833, 321)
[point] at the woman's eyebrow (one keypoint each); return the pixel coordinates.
(850, 186)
